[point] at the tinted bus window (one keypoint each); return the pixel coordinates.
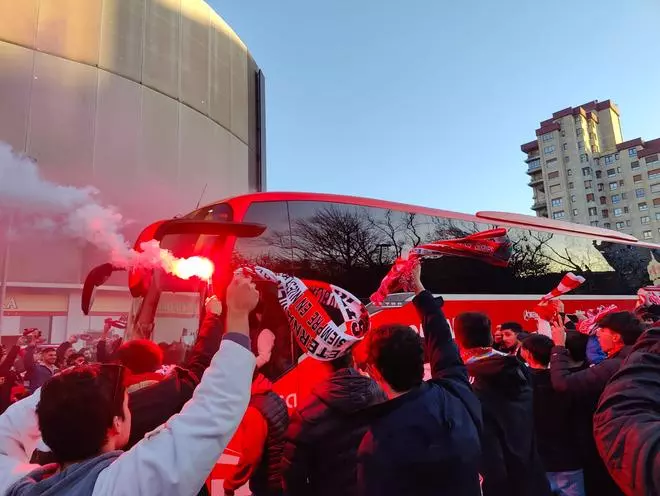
(270, 250)
(354, 246)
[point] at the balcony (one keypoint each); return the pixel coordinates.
(535, 181)
(533, 166)
(539, 204)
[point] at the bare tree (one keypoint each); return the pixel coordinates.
(336, 238)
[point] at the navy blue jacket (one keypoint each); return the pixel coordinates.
(426, 442)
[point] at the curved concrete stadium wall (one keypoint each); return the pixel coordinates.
(150, 101)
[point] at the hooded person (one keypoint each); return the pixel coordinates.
(321, 447)
(510, 463)
(261, 433)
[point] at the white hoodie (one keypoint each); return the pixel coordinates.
(177, 457)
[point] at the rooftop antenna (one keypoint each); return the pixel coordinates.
(201, 196)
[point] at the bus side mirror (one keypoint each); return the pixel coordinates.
(96, 277)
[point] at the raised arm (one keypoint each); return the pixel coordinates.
(208, 339)
(627, 421)
(443, 354)
(177, 457)
(9, 360)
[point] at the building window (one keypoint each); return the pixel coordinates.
(620, 225)
(618, 212)
(624, 195)
(564, 146)
(656, 202)
(596, 161)
(654, 174)
(558, 215)
(573, 198)
(611, 172)
(547, 137)
(607, 225)
(614, 186)
(586, 171)
(555, 188)
(643, 206)
(571, 186)
(556, 202)
(603, 200)
(647, 235)
(569, 172)
(632, 152)
(587, 184)
(549, 149)
(579, 131)
(593, 211)
(640, 193)
(616, 199)
(626, 210)
(609, 159)
(628, 223)
(580, 145)
(599, 174)
(575, 212)
(605, 213)
(651, 158)
(637, 178)
(616, 156)
(601, 187)
(553, 175)
(584, 158)
(634, 165)
(657, 216)
(645, 220)
(594, 223)
(566, 159)
(591, 197)
(655, 188)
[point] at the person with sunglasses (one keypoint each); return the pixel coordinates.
(83, 416)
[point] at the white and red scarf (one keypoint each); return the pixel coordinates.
(303, 301)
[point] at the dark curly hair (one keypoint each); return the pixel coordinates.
(397, 352)
(76, 409)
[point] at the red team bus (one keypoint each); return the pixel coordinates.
(352, 243)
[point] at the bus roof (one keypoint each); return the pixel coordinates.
(240, 203)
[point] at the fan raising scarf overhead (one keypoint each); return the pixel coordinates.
(492, 247)
(308, 305)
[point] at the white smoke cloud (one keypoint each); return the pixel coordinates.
(36, 204)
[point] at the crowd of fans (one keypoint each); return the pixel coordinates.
(504, 412)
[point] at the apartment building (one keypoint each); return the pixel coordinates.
(582, 171)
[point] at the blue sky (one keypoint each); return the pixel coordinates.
(412, 101)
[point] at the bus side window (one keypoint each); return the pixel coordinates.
(270, 250)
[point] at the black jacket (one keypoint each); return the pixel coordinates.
(320, 454)
(556, 425)
(426, 442)
(588, 383)
(627, 421)
(586, 387)
(154, 405)
(510, 463)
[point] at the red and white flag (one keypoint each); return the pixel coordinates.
(568, 283)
